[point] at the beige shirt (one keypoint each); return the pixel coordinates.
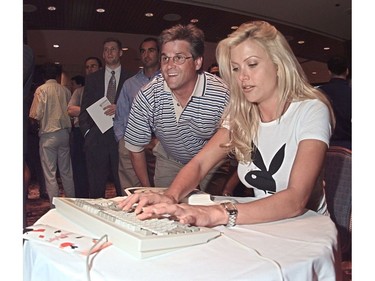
(49, 107)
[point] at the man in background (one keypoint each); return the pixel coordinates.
(28, 72)
(149, 52)
(339, 92)
(49, 108)
(81, 183)
(101, 149)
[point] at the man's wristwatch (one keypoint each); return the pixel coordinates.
(232, 212)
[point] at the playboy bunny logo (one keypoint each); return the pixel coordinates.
(262, 178)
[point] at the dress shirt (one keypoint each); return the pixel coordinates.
(128, 91)
(49, 107)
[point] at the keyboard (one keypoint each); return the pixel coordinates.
(139, 238)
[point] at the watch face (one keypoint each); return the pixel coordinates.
(232, 212)
(230, 207)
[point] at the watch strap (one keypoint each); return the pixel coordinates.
(232, 212)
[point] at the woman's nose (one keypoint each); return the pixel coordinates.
(244, 75)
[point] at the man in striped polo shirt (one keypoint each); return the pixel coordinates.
(182, 106)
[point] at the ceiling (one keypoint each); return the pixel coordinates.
(80, 30)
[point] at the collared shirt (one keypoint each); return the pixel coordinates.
(108, 75)
(128, 91)
(49, 107)
(197, 92)
(153, 111)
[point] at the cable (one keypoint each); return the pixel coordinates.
(95, 249)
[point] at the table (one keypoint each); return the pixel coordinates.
(302, 249)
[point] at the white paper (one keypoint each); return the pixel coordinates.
(96, 111)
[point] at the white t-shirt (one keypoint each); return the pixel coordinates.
(277, 145)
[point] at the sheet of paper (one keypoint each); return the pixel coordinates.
(96, 111)
(65, 240)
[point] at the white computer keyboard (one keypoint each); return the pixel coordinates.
(140, 239)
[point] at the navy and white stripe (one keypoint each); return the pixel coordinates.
(153, 111)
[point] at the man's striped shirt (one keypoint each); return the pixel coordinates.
(182, 138)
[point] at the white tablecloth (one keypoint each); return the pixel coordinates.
(300, 249)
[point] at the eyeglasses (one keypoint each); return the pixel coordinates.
(178, 59)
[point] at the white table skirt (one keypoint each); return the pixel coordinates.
(300, 249)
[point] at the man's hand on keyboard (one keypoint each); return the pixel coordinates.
(138, 201)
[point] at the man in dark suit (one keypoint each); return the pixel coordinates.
(339, 93)
(101, 149)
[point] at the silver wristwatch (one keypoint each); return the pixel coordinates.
(232, 212)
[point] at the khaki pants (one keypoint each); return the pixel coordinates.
(126, 173)
(54, 153)
(167, 168)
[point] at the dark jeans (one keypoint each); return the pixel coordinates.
(81, 183)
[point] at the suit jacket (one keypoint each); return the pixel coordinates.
(93, 91)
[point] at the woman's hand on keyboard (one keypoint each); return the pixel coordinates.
(197, 215)
(137, 201)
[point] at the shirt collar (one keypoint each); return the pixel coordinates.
(140, 72)
(117, 70)
(198, 88)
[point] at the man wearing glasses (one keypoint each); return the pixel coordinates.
(182, 106)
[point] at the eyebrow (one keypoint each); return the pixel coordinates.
(176, 54)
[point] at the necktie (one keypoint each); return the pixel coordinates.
(111, 91)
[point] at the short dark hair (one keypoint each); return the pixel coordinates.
(337, 65)
(95, 58)
(51, 71)
(79, 79)
(111, 39)
(148, 39)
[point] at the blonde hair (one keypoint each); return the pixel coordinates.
(243, 116)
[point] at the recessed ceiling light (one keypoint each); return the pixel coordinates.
(171, 17)
(57, 62)
(234, 27)
(100, 10)
(301, 42)
(194, 20)
(149, 15)
(326, 48)
(51, 8)
(125, 49)
(56, 46)
(313, 73)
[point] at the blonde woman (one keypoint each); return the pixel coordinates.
(277, 125)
